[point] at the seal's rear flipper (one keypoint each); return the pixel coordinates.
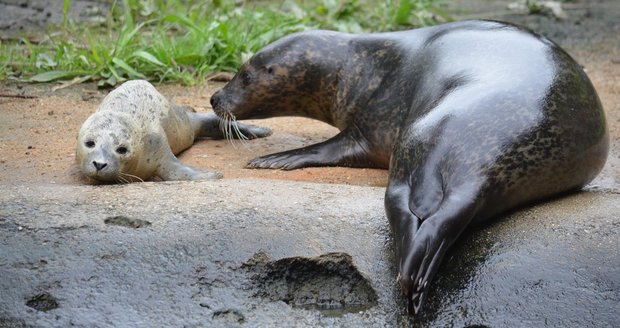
(422, 242)
(345, 149)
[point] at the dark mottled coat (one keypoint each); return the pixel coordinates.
(471, 118)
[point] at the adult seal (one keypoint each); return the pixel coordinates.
(472, 119)
(136, 133)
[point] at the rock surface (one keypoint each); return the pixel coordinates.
(226, 253)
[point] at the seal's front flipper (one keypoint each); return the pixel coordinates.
(422, 242)
(345, 149)
(211, 126)
(173, 170)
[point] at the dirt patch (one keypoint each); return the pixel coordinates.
(38, 129)
(329, 283)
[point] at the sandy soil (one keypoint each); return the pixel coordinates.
(38, 138)
(38, 125)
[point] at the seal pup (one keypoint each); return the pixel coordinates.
(471, 118)
(136, 133)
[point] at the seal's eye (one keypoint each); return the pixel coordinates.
(89, 144)
(122, 150)
(246, 78)
(270, 70)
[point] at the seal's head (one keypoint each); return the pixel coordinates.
(106, 147)
(291, 76)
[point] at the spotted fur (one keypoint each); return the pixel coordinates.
(472, 119)
(136, 132)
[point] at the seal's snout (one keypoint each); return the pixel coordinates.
(216, 100)
(99, 166)
(220, 104)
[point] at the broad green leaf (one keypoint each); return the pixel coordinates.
(109, 82)
(121, 63)
(114, 73)
(403, 13)
(125, 36)
(148, 57)
(185, 21)
(188, 59)
(54, 75)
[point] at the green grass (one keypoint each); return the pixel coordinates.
(185, 41)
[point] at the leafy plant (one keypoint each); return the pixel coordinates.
(533, 6)
(187, 40)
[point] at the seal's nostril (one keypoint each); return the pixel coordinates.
(99, 166)
(215, 101)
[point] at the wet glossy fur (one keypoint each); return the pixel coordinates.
(471, 118)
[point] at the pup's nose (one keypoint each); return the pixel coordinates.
(99, 166)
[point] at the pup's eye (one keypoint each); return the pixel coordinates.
(246, 78)
(122, 150)
(270, 70)
(89, 144)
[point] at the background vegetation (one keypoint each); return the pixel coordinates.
(187, 40)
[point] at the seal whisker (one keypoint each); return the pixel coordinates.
(222, 125)
(123, 174)
(239, 134)
(119, 179)
(229, 135)
(234, 130)
(229, 131)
